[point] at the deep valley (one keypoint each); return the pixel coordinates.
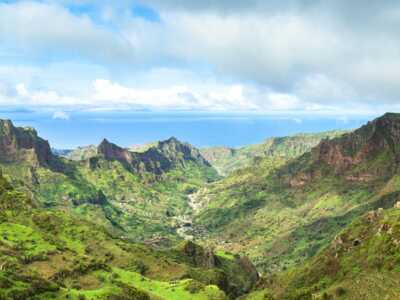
(308, 216)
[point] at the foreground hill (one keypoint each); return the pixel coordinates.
(362, 262)
(55, 255)
(226, 160)
(281, 214)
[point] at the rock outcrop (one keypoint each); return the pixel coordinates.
(366, 154)
(199, 256)
(158, 159)
(19, 144)
(379, 137)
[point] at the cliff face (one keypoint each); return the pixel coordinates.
(111, 151)
(368, 153)
(157, 159)
(379, 136)
(19, 144)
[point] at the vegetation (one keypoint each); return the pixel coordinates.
(227, 160)
(314, 213)
(360, 263)
(51, 254)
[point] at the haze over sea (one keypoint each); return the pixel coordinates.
(65, 131)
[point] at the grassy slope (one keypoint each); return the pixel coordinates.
(226, 160)
(137, 206)
(255, 212)
(362, 262)
(47, 254)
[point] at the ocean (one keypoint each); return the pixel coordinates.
(202, 129)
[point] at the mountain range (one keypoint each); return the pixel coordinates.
(310, 216)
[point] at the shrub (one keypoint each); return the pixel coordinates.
(139, 267)
(340, 291)
(194, 287)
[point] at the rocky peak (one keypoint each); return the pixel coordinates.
(179, 153)
(19, 144)
(157, 159)
(367, 153)
(381, 135)
(111, 151)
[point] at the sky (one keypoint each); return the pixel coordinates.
(289, 58)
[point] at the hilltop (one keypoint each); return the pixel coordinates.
(227, 160)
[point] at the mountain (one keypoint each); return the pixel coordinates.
(318, 222)
(77, 154)
(280, 213)
(138, 195)
(157, 159)
(61, 152)
(53, 254)
(226, 160)
(18, 145)
(368, 153)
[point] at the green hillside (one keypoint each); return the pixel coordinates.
(281, 213)
(226, 160)
(362, 262)
(48, 254)
(159, 223)
(135, 195)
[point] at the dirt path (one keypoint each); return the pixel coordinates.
(185, 222)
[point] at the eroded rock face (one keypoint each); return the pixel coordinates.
(353, 155)
(199, 256)
(111, 151)
(19, 144)
(157, 159)
(377, 137)
(248, 267)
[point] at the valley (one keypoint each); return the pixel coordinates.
(298, 217)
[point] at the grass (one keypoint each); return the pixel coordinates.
(24, 239)
(55, 254)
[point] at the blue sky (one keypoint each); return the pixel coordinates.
(127, 128)
(337, 59)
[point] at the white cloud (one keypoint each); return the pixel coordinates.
(21, 90)
(266, 55)
(49, 31)
(61, 115)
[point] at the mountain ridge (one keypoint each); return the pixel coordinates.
(19, 144)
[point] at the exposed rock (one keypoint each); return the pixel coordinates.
(367, 142)
(299, 180)
(19, 144)
(249, 269)
(397, 205)
(111, 151)
(372, 216)
(379, 139)
(199, 256)
(157, 159)
(384, 228)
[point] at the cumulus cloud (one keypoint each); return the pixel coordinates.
(295, 55)
(51, 31)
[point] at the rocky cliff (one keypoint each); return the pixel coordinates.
(381, 135)
(19, 144)
(158, 159)
(368, 153)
